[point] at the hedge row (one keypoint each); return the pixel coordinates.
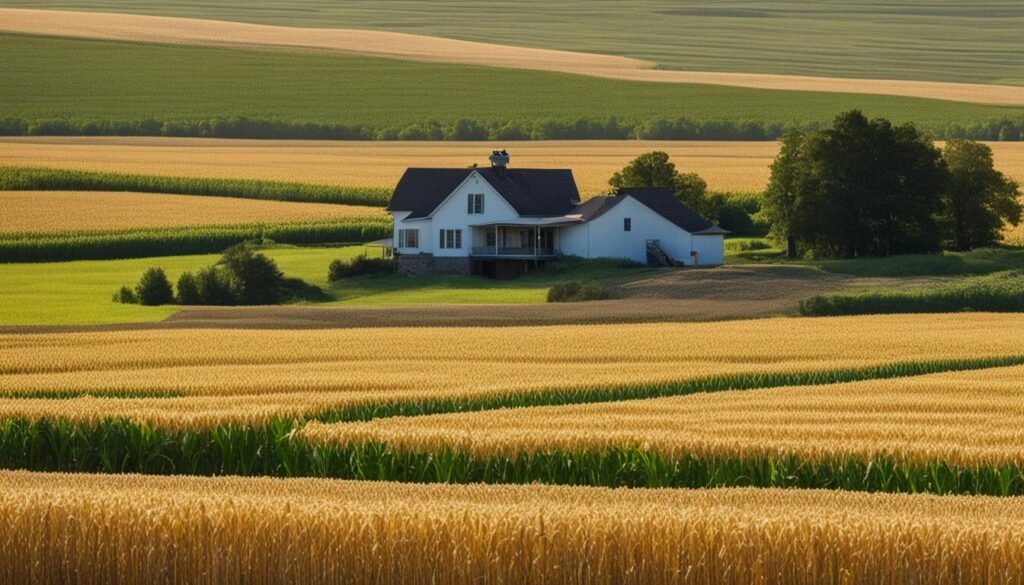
(679, 128)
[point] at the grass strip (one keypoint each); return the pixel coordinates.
(20, 248)
(53, 179)
(1001, 292)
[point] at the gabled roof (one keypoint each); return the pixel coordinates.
(662, 202)
(531, 192)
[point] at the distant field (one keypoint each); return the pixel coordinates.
(942, 40)
(191, 31)
(53, 81)
(726, 166)
(60, 211)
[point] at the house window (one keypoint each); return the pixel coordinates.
(408, 238)
(476, 204)
(627, 224)
(491, 239)
(451, 239)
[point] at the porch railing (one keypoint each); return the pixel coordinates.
(499, 251)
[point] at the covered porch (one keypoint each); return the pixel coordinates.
(516, 240)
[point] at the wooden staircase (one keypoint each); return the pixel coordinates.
(657, 256)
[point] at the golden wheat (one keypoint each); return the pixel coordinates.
(726, 166)
(968, 418)
(250, 376)
(139, 530)
(59, 211)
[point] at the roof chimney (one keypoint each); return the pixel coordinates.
(499, 159)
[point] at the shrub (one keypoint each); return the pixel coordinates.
(126, 296)
(254, 279)
(1001, 292)
(357, 266)
(575, 291)
(154, 288)
(215, 287)
(188, 290)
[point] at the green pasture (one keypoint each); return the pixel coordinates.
(941, 40)
(45, 78)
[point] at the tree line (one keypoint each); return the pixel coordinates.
(673, 128)
(866, 187)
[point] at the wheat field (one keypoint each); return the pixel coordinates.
(64, 211)
(149, 529)
(726, 166)
(969, 419)
(140, 28)
(214, 376)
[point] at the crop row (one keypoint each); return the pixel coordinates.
(51, 179)
(138, 529)
(44, 247)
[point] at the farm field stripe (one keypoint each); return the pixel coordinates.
(121, 447)
(145, 243)
(31, 178)
(61, 528)
(161, 29)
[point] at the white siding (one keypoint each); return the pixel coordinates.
(423, 225)
(710, 250)
(574, 240)
(452, 214)
(607, 237)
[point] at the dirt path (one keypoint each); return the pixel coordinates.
(735, 292)
(130, 27)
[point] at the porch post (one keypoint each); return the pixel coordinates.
(495, 240)
(536, 240)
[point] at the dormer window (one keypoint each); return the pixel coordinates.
(476, 204)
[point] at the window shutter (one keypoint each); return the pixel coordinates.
(469, 203)
(441, 239)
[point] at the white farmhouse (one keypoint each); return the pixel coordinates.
(497, 221)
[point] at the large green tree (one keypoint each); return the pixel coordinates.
(978, 200)
(861, 187)
(654, 169)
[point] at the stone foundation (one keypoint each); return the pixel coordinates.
(414, 264)
(450, 265)
(417, 264)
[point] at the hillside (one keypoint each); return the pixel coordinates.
(939, 40)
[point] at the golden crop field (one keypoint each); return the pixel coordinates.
(726, 166)
(61, 211)
(969, 419)
(253, 375)
(149, 529)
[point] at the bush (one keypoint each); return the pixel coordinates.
(215, 287)
(357, 266)
(254, 279)
(575, 291)
(1001, 292)
(126, 296)
(188, 290)
(154, 288)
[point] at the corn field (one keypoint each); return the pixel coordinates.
(968, 419)
(82, 211)
(87, 529)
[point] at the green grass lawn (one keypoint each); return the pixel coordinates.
(942, 40)
(79, 293)
(83, 80)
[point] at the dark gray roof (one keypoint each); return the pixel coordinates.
(531, 192)
(595, 207)
(662, 202)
